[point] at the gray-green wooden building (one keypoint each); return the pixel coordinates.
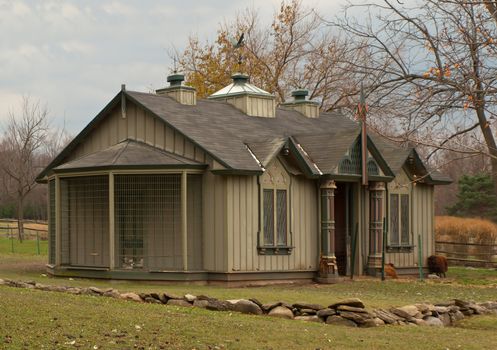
(164, 186)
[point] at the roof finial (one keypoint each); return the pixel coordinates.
(175, 66)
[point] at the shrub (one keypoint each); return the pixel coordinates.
(465, 230)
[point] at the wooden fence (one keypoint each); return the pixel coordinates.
(468, 254)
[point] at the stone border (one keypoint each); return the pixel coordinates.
(350, 312)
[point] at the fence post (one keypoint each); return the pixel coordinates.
(37, 242)
(11, 240)
(420, 258)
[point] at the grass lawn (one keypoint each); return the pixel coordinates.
(31, 318)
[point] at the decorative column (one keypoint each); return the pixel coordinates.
(376, 194)
(328, 270)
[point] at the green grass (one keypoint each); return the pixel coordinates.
(27, 247)
(32, 319)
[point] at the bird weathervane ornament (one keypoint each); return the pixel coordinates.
(237, 44)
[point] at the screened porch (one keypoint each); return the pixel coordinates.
(147, 219)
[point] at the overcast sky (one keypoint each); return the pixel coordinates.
(74, 55)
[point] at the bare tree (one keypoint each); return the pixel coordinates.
(22, 144)
(295, 50)
(432, 73)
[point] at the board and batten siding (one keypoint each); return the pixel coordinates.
(214, 222)
(421, 221)
(138, 125)
(243, 227)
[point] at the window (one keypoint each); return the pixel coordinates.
(275, 221)
(399, 220)
(274, 236)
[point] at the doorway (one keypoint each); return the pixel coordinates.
(344, 220)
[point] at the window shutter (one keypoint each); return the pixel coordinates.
(394, 219)
(404, 215)
(282, 216)
(268, 217)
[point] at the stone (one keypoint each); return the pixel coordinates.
(152, 300)
(171, 296)
(312, 318)
(256, 301)
(308, 311)
(163, 298)
(323, 313)
(247, 307)
(190, 297)
(281, 311)
(419, 322)
(218, 305)
(490, 305)
(179, 302)
(467, 312)
(351, 309)
(456, 316)
(74, 290)
(2, 282)
(156, 296)
(445, 318)
(314, 307)
(406, 312)
(423, 307)
(270, 306)
(96, 290)
(358, 318)
(340, 321)
(201, 303)
(461, 303)
(432, 276)
(386, 316)
(441, 309)
(113, 293)
(41, 286)
(478, 310)
(372, 322)
(354, 302)
(433, 321)
(131, 296)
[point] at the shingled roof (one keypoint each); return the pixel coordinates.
(129, 154)
(244, 143)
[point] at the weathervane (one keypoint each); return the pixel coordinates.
(237, 44)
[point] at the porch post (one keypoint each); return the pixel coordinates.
(376, 193)
(112, 234)
(184, 230)
(328, 271)
(58, 239)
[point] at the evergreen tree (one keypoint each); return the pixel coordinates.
(476, 198)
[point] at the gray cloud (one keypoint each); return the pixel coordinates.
(74, 55)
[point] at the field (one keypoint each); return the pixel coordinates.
(35, 319)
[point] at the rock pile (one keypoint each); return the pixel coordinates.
(350, 312)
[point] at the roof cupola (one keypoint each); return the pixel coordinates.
(185, 95)
(246, 97)
(301, 104)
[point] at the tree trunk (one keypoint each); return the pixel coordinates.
(20, 218)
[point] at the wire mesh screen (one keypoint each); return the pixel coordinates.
(148, 222)
(51, 222)
(194, 220)
(85, 221)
